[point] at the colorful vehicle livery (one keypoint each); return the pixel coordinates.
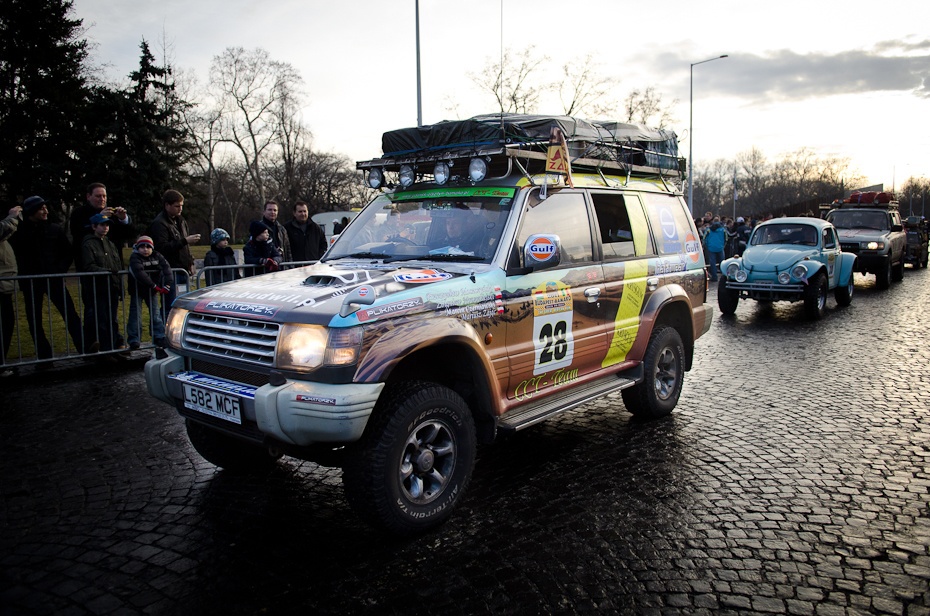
(475, 295)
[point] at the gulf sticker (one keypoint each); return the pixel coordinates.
(542, 249)
(553, 341)
(422, 277)
(692, 247)
(626, 323)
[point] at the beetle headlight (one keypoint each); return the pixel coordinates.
(784, 277)
(732, 269)
(799, 271)
(304, 347)
(175, 326)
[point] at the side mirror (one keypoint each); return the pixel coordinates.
(542, 251)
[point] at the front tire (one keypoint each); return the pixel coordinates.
(844, 294)
(815, 296)
(664, 367)
(227, 452)
(727, 298)
(414, 462)
(897, 272)
(883, 278)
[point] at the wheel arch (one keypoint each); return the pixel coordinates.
(670, 306)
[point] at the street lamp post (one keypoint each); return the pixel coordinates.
(691, 134)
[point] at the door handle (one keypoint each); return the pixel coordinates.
(592, 294)
(652, 283)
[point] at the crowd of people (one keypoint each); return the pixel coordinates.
(40, 253)
(723, 238)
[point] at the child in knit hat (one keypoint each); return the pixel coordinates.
(220, 255)
(260, 250)
(149, 277)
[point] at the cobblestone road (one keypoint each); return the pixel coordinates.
(793, 478)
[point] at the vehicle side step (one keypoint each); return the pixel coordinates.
(561, 402)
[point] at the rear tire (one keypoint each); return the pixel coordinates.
(227, 452)
(727, 298)
(414, 462)
(815, 296)
(664, 367)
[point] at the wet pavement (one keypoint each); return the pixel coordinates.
(793, 478)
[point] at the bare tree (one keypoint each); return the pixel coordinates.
(250, 87)
(646, 107)
(585, 92)
(510, 81)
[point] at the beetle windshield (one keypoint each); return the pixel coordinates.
(457, 225)
(781, 233)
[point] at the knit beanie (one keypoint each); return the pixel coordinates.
(144, 240)
(256, 227)
(218, 235)
(32, 205)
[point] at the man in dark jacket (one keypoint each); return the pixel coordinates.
(102, 293)
(278, 233)
(42, 248)
(172, 239)
(308, 243)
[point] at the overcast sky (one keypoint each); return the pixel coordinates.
(846, 79)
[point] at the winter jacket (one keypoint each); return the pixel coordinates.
(41, 247)
(8, 227)
(220, 256)
(307, 244)
(170, 239)
(716, 239)
(146, 273)
(280, 238)
(120, 232)
(99, 254)
(258, 253)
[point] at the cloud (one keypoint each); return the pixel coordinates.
(891, 66)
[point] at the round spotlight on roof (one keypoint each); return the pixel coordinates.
(406, 176)
(441, 172)
(375, 178)
(477, 169)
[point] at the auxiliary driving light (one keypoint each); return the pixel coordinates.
(784, 277)
(477, 169)
(375, 178)
(742, 276)
(406, 176)
(441, 172)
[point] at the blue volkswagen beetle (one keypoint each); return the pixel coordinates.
(789, 259)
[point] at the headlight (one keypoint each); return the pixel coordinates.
(742, 275)
(873, 245)
(406, 176)
(732, 268)
(477, 169)
(441, 173)
(784, 277)
(175, 326)
(304, 347)
(799, 271)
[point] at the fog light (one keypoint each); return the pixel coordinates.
(441, 173)
(406, 176)
(741, 276)
(477, 169)
(784, 277)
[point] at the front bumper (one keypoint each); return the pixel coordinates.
(768, 291)
(871, 262)
(300, 413)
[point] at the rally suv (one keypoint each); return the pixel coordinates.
(478, 294)
(872, 230)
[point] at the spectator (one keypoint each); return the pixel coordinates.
(306, 239)
(220, 254)
(81, 228)
(172, 238)
(8, 227)
(278, 232)
(260, 250)
(102, 294)
(149, 277)
(715, 241)
(42, 248)
(743, 231)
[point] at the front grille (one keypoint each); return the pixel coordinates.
(227, 373)
(233, 338)
(850, 247)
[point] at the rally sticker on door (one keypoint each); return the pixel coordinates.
(552, 327)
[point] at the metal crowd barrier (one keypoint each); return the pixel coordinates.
(61, 316)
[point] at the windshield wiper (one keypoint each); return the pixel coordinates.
(454, 257)
(357, 255)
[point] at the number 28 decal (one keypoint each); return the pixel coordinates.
(553, 342)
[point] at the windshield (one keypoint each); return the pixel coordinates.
(851, 219)
(444, 224)
(804, 235)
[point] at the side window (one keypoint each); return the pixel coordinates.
(564, 214)
(829, 238)
(622, 226)
(671, 224)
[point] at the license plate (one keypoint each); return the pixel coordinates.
(213, 403)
